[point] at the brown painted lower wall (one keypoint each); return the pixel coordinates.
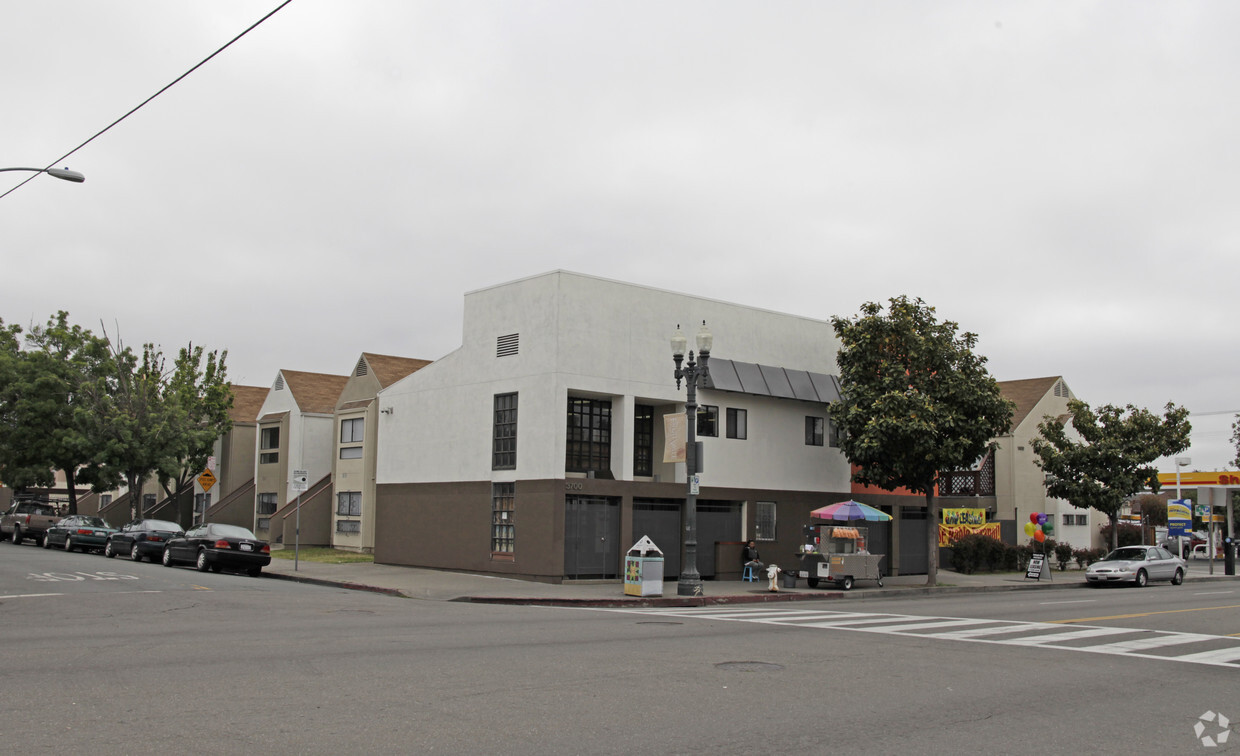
(448, 525)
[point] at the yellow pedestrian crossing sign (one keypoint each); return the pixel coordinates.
(206, 480)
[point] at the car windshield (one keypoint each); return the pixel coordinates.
(232, 531)
(1126, 555)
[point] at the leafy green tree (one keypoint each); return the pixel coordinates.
(199, 397)
(1113, 458)
(1235, 439)
(916, 400)
(42, 402)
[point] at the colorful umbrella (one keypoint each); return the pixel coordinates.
(850, 510)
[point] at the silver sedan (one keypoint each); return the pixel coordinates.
(1137, 564)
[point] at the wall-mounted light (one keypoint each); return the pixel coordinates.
(386, 410)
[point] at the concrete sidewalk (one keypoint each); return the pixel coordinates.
(439, 585)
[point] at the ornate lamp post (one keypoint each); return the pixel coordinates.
(691, 372)
(60, 173)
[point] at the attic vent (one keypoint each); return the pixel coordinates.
(279, 383)
(506, 346)
(1060, 389)
(361, 368)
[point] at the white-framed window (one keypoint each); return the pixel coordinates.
(764, 521)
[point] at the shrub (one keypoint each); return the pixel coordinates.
(1129, 535)
(975, 551)
(1063, 555)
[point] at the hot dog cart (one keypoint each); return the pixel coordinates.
(837, 553)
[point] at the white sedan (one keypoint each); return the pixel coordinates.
(1137, 564)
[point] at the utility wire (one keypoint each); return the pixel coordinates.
(152, 97)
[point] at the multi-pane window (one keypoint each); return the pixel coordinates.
(589, 435)
(266, 503)
(351, 430)
(738, 423)
(764, 521)
(104, 500)
(503, 512)
(504, 434)
(1075, 519)
(643, 440)
(348, 526)
(814, 427)
(708, 420)
(349, 503)
(269, 439)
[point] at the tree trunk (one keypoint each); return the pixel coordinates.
(135, 497)
(932, 539)
(71, 484)
(1114, 530)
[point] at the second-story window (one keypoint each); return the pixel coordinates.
(588, 438)
(708, 420)
(814, 428)
(269, 439)
(738, 423)
(504, 433)
(351, 432)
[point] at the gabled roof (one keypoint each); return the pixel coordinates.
(247, 401)
(1027, 393)
(315, 392)
(388, 369)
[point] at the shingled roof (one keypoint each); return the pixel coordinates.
(315, 392)
(1026, 394)
(247, 401)
(388, 369)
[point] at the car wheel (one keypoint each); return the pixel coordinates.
(1142, 579)
(107, 550)
(68, 543)
(255, 571)
(47, 542)
(134, 554)
(17, 536)
(847, 583)
(202, 564)
(1178, 577)
(167, 560)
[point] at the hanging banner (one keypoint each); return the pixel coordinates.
(949, 533)
(964, 516)
(675, 437)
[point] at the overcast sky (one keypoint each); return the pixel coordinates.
(1059, 178)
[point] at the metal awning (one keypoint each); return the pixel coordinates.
(766, 380)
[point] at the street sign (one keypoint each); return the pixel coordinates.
(1036, 563)
(695, 485)
(206, 480)
(301, 480)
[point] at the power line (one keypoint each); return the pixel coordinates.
(152, 97)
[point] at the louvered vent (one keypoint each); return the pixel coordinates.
(1060, 389)
(279, 383)
(362, 368)
(506, 346)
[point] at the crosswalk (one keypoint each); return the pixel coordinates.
(1195, 648)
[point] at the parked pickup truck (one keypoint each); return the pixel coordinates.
(28, 519)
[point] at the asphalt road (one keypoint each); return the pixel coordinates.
(108, 656)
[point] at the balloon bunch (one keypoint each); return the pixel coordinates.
(1038, 526)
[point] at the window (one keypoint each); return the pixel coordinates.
(1075, 519)
(349, 503)
(350, 452)
(348, 526)
(708, 421)
(148, 502)
(589, 435)
(104, 500)
(738, 423)
(351, 430)
(264, 523)
(270, 439)
(813, 431)
(503, 511)
(504, 436)
(643, 440)
(266, 503)
(764, 521)
(833, 434)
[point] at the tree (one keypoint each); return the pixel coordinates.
(916, 400)
(1113, 459)
(1153, 510)
(200, 397)
(41, 399)
(1235, 439)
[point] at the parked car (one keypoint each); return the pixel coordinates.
(78, 532)
(28, 519)
(1137, 564)
(142, 538)
(214, 546)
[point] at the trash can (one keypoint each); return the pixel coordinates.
(643, 570)
(790, 578)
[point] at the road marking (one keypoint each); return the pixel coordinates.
(1143, 614)
(1115, 641)
(1214, 593)
(1082, 601)
(30, 595)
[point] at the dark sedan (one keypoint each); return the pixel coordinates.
(78, 532)
(215, 546)
(142, 538)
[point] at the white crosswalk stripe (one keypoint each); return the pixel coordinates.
(1224, 650)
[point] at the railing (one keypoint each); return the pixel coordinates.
(980, 482)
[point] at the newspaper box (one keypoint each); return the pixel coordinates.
(643, 569)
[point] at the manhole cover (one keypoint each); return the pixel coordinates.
(749, 666)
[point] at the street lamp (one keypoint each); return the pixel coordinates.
(1182, 462)
(691, 372)
(60, 173)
